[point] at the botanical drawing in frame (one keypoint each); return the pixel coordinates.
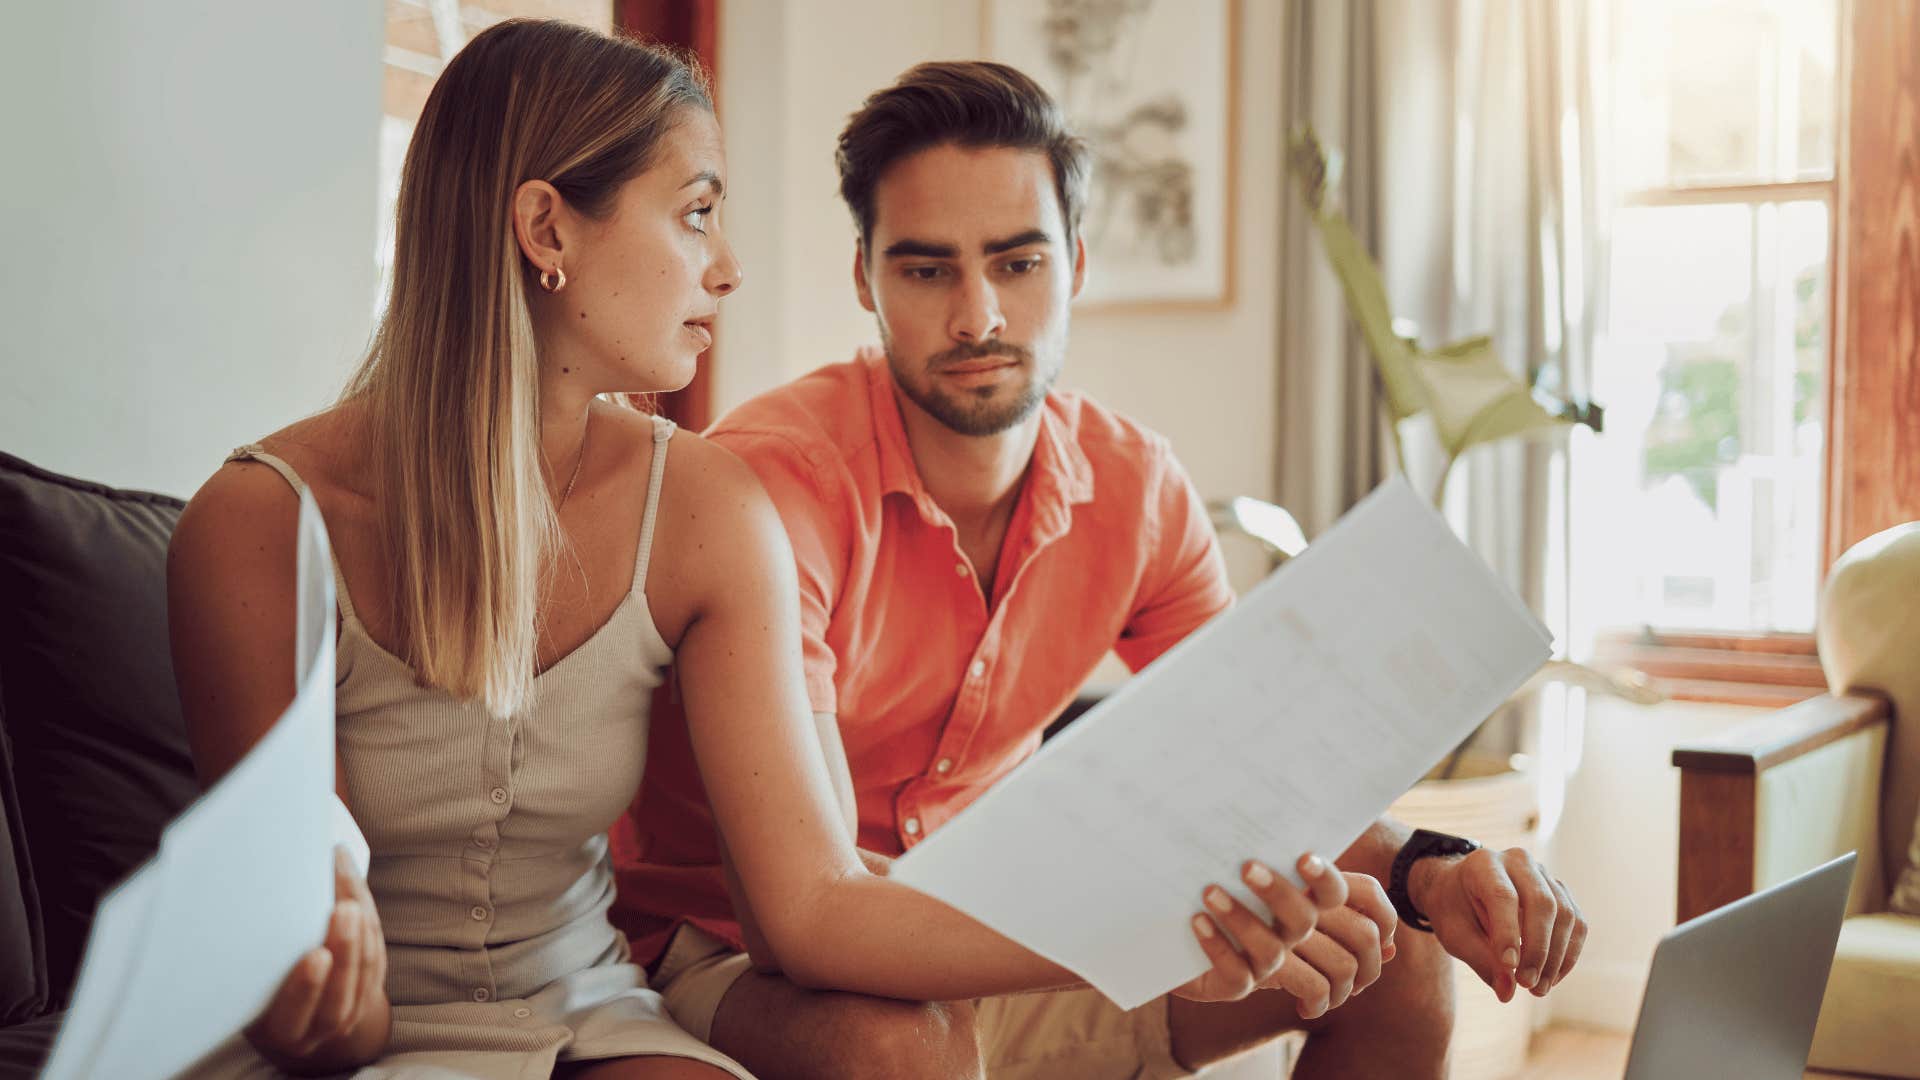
(1150, 85)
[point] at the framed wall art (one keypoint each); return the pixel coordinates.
(1150, 85)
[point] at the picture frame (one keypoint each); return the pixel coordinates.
(1151, 85)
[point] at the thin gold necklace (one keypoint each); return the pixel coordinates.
(585, 430)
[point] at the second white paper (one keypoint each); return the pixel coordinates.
(1286, 725)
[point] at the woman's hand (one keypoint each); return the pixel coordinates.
(1263, 947)
(331, 1012)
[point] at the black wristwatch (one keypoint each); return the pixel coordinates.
(1418, 846)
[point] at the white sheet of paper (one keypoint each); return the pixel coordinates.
(1286, 725)
(192, 946)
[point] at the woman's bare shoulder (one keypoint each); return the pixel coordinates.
(718, 534)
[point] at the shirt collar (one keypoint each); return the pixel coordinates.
(1060, 476)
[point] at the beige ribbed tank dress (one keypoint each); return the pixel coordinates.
(490, 868)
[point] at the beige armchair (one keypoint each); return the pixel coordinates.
(1837, 773)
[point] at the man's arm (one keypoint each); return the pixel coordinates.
(1513, 923)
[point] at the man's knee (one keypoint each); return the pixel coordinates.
(880, 1039)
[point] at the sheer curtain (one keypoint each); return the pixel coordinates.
(1470, 130)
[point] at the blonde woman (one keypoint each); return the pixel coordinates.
(517, 559)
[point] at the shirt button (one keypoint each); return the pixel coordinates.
(978, 669)
(481, 993)
(522, 1013)
(960, 568)
(482, 842)
(479, 913)
(943, 766)
(911, 826)
(499, 795)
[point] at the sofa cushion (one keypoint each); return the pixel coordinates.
(1869, 630)
(1873, 995)
(99, 751)
(23, 957)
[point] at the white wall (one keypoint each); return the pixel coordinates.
(789, 76)
(1618, 845)
(188, 201)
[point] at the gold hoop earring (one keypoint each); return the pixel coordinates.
(547, 282)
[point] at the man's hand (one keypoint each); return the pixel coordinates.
(1503, 915)
(1263, 947)
(1344, 954)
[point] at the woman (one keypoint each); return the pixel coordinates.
(516, 561)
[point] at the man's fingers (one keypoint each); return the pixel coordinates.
(1496, 905)
(1328, 887)
(1294, 912)
(1539, 914)
(1265, 950)
(1336, 968)
(1576, 939)
(1563, 920)
(1358, 940)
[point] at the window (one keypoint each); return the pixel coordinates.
(1704, 495)
(421, 36)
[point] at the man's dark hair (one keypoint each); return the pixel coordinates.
(968, 103)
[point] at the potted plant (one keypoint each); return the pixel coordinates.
(1472, 400)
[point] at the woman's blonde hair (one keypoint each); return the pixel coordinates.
(451, 383)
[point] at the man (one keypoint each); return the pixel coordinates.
(970, 543)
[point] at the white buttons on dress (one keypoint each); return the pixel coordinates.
(522, 1013)
(479, 913)
(912, 826)
(943, 766)
(499, 795)
(481, 993)
(978, 669)
(960, 568)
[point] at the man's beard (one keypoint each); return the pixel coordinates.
(986, 410)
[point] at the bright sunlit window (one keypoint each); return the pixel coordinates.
(1704, 493)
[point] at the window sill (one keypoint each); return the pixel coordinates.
(1765, 670)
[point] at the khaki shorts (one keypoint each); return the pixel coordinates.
(1064, 1033)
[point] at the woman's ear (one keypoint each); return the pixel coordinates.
(537, 210)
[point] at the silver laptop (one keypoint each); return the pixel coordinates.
(1736, 991)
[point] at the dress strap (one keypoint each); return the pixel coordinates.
(662, 432)
(253, 452)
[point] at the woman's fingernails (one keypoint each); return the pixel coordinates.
(1203, 926)
(1388, 951)
(1510, 958)
(1313, 866)
(1258, 875)
(1218, 901)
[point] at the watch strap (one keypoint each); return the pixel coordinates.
(1423, 843)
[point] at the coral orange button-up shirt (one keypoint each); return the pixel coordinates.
(939, 688)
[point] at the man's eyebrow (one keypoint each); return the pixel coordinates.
(928, 250)
(708, 177)
(920, 249)
(1031, 236)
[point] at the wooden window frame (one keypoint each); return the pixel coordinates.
(1871, 472)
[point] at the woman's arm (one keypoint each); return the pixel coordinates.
(231, 612)
(832, 923)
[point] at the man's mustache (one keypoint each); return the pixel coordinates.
(980, 351)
